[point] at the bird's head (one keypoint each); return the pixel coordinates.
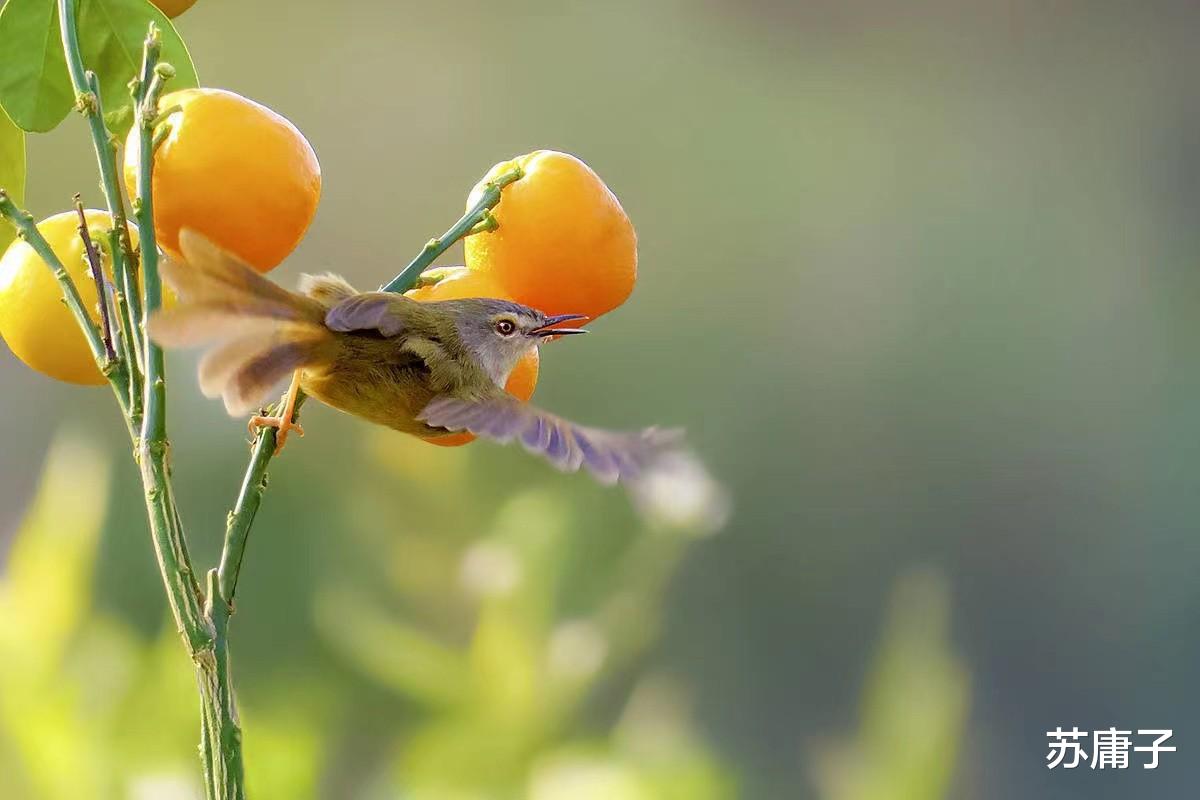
(499, 332)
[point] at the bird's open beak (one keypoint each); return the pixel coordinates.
(547, 328)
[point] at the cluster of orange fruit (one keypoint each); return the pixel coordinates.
(246, 178)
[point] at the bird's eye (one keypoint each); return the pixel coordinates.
(506, 327)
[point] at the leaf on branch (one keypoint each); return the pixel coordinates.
(12, 170)
(35, 87)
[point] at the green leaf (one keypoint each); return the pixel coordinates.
(111, 33)
(35, 87)
(12, 170)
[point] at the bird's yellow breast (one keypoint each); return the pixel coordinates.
(383, 381)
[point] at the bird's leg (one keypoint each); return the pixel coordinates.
(283, 422)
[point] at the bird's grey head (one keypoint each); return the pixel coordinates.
(499, 332)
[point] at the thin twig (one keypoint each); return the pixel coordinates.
(154, 427)
(170, 547)
(98, 276)
(183, 590)
(221, 732)
(27, 230)
(241, 518)
(124, 262)
(477, 215)
(229, 772)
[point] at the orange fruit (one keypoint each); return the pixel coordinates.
(458, 283)
(564, 244)
(173, 8)
(34, 321)
(234, 171)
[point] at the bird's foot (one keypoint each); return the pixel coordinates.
(283, 426)
(285, 421)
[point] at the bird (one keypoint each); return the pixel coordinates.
(427, 369)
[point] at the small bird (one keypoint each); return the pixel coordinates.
(423, 368)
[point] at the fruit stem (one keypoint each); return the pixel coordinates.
(165, 114)
(98, 276)
(87, 92)
(465, 226)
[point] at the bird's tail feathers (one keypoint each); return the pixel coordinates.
(243, 370)
(257, 333)
(211, 281)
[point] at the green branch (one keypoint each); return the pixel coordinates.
(27, 230)
(154, 427)
(124, 263)
(146, 407)
(228, 772)
(241, 518)
(475, 220)
(220, 732)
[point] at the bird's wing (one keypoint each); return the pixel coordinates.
(610, 456)
(378, 311)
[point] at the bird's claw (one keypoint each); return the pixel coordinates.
(281, 425)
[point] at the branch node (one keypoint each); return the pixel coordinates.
(85, 103)
(464, 227)
(487, 224)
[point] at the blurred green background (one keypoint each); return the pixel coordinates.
(920, 280)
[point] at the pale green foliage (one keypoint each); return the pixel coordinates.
(914, 707)
(499, 665)
(499, 669)
(74, 686)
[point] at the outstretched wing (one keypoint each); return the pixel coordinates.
(610, 456)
